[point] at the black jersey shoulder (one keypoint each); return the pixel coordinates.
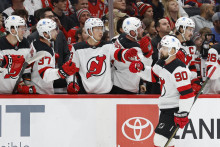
(5, 45)
(40, 46)
(160, 62)
(85, 45)
(217, 47)
(188, 43)
(126, 43)
(173, 65)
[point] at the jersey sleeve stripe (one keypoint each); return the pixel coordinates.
(118, 55)
(42, 71)
(183, 88)
(186, 91)
(190, 95)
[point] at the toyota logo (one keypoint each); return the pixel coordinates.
(140, 128)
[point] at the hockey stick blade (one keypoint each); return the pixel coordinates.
(197, 95)
(38, 56)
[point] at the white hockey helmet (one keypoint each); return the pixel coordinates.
(46, 25)
(131, 24)
(14, 21)
(184, 22)
(170, 42)
(91, 23)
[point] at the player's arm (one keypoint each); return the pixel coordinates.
(212, 61)
(181, 78)
(48, 73)
(146, 46)
(145, 72)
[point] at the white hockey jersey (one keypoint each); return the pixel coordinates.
(122, 77)
(190, 49)
(8, 78)
(94, 65)
(176, 90)
(44, 72)
(213, 85)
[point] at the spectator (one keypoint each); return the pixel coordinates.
(146, 10)
(119, 7)
(131, 8)
(82, 15)
(2, 30)
(216, 28)
(205, 31)
(204, 19)
(19, 4)
(34, 4)
(78, 4)
(68, 8)
(97, 8)
(171, 12)
(163, 28)
(4, 4)
(197, 39)
(81, 35)
(158, 8)
(149, 27)
(59, 8)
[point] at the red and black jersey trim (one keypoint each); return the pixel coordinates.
(192, 67)
(186, 91)
(118, 55)
(42, 71)
(154, 77)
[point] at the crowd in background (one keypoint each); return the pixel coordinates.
(158, 17)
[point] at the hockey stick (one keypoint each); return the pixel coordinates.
(196, 97)
(38, 56)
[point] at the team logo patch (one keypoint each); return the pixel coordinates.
(96, 66)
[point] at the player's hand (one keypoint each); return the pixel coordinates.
(136, 66)
(26, 89)
(143, 89)
(181, 54)
(73, 88)
(13, 61)
(67, 69)
(146, 46)
(131, 55)
(181, 119)
(196, 85)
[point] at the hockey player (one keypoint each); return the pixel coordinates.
(133, 32)
(16, 49)
(176, 92)
(213, 85)
(93, 58)
(44, 71)
(184, 32)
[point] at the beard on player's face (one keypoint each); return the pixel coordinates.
(163, 57)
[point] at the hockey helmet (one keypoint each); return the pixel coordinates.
(184, 22)
(14, 21)
(91, 23)
(131, 24)
(46, 25)
(170, 42)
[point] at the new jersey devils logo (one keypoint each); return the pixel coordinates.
(162, 87)
(96, 66)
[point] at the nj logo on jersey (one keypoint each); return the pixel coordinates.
(96, 66)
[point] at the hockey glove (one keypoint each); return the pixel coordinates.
(196, 85)
(131, 55)
(73, 88)
(67, 69)
(181, 119)
(181, 54)
(146, 46)
(136, 66)
(26, 89)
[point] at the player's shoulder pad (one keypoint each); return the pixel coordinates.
(4, 44)
(40, 46)
(160, 62)
(216, 47)
(85, 45)
(173, 65)
(24, 44)
(126, 43)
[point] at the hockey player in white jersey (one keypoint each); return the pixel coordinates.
(176, 92)
(184, 32)
(213, 85)
(93, 58)
(44, 71)
(15, 49)
(133, 32)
